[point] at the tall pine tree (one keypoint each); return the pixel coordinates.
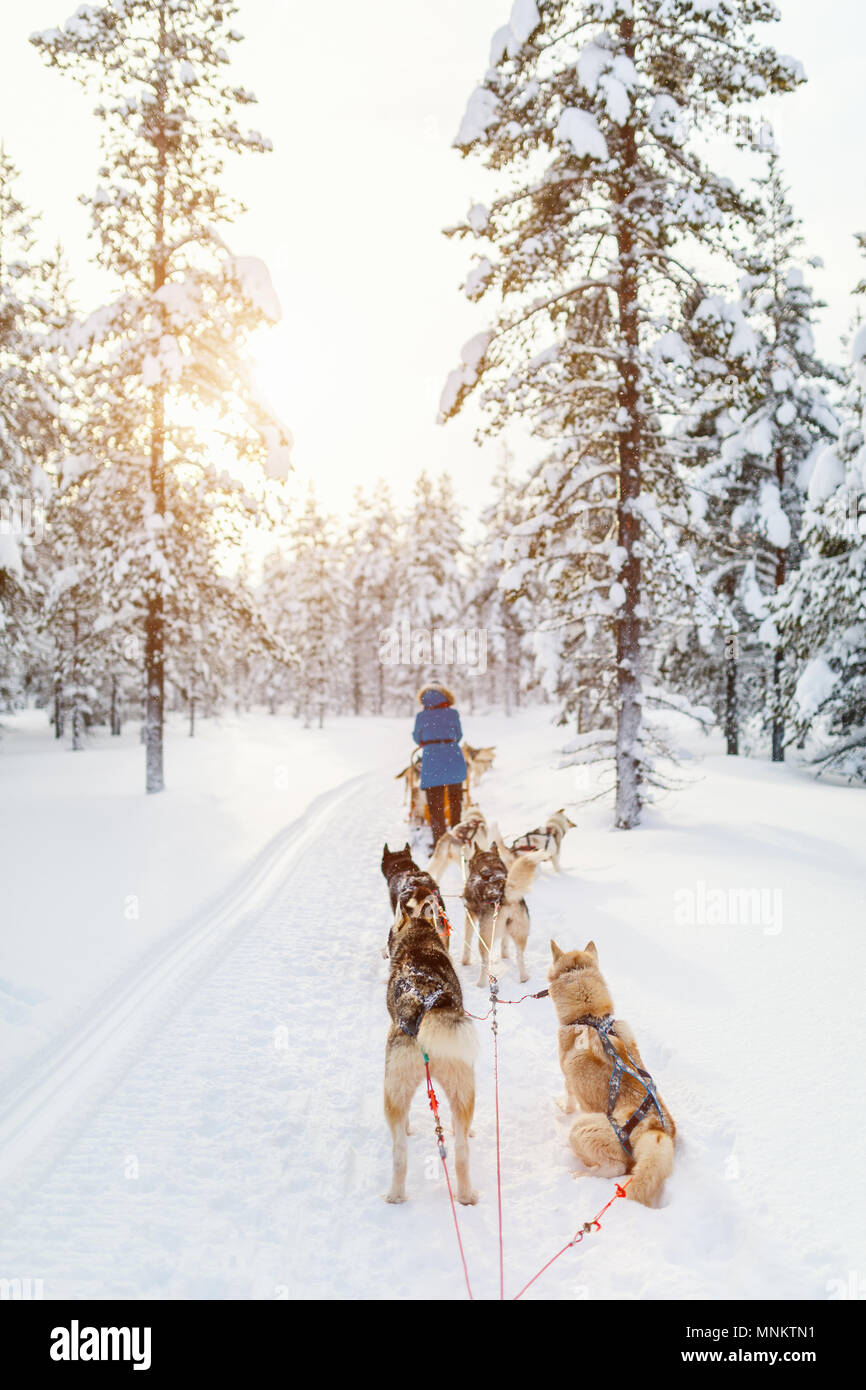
(173, 339)
(588, 256)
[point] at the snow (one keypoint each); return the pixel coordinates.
(827, 474)
(773, 521)
(477, 279)
(165, 364)
(10, 553)
(510, 38)
(478, 218)
(255, 282)
(466, 375)
(233, 1145)
(758, 438)
(671, 347)
(524, 20)
(230, 788)
(814, 686)
(666, 119)
(581, 130)
(480, 113)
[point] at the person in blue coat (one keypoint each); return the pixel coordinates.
(437, 730)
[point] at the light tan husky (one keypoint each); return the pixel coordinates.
(578, 991)
(459, 842)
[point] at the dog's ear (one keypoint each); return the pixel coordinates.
(554, 950)
(385, 851)
(407, 848)
(590, 949)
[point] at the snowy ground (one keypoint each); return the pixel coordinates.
(205, 1120)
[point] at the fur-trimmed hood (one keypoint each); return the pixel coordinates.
(433, 695)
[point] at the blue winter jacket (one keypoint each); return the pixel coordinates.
(439, 733)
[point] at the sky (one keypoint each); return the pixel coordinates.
(362, 103)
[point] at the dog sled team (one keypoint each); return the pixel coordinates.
(622, 1125)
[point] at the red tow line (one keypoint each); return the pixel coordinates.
(440, 1141)
(593, 1225)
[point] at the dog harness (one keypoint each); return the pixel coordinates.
(604, 1027)
(518, 848)
(426, 999)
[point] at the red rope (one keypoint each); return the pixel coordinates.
(498, 1165)
(594, 1224)
(440, 1140)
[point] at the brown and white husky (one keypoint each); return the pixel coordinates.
(495, 906)
(425, 1002)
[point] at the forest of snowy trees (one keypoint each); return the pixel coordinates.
(692, 535)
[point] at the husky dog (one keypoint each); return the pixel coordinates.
(410, 887)
(547, 837)
(456, 843)
(426, 1007)
(478, 761)
(411, 774)
(495, 906)
(578, 991)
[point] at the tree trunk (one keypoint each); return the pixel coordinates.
(154, 625)
(115, 709)
(192, 715)
(778, 745)
(58, 707)
(732, 710)
(778, 738)
(628, 630)
(77, 722)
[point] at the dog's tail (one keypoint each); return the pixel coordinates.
(654, 1161)
(521, 875)
(495, 837)
(439, 858)
(446, 1038)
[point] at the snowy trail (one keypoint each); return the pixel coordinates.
(243, 1153)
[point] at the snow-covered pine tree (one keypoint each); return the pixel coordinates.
(304, 599)
(32, 311)
(431, 585)
(505, 617)
(371, 547)
(588, 256)
(173, 339)
(821, 610)
(755, 484)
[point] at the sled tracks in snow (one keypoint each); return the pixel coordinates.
(45, 1106)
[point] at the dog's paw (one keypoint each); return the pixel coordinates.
(465, 960)
(468, 1199)
(395, 1197)
(566, 1105)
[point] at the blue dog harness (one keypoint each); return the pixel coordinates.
(604, 1026)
